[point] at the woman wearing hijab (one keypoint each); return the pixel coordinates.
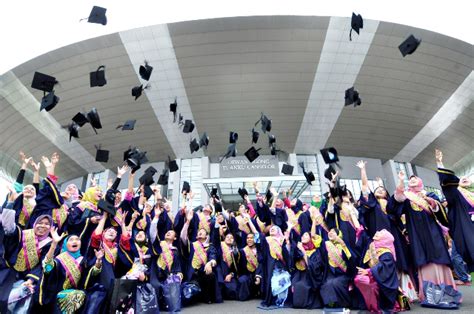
(340, 269)
(309, 274)
(275, 250)
(66, 276)
(459, 194)
(378, 284)
(106, 240)
(25, 202)
(227, 262)
(427, 243)
(201, 256)
(239, 225)
(83, 217)
(23, 252)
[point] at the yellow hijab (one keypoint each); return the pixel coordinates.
(88, 195)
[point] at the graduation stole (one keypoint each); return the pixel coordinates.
(346, 218)
(372, 255)
(83, 205)
(468, 196)
(166, 257)
(29, 255)
(118, 218)
(252, 260)
(243, 226)
(199, 256)
(293, 219)
(301, 264)
(142, 252)
(72, 267)
(226, 254)
(335, 256)
(25, 213)
(261, 225)
(417, 202)
(275, 248)
(141, 224)
(383, 204)
(320, 222)
(204, 223)
(110, 254)
(60, 215)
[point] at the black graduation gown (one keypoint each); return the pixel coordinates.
(269, 264)
(385, 274)
(461, 227)
(372, 215)
(427, 243)
(229, 289)
(79, 222)
(247, 287)
(307, 283)
(47, 199)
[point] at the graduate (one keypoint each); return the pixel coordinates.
(428, 246)
(201, 257)
(240, 224)
(309, 273)
(378, 283)
(227, 262)
(66, 276)
(250, 265)
(340, 269)
(24, 251)
(26, 201)
(459, 193)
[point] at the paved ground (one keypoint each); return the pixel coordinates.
(251, 307)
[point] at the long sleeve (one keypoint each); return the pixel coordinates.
(153, 229)
(115, 184)
(8, 221)
(21, 176)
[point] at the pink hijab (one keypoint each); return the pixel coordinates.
(385, 241)
(418, 188)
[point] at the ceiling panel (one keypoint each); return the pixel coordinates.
(400, 95)
(234, 70)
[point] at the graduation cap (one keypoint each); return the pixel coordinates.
(97, 78)
(138, 90)
(145, 71)
(73, 129)
(356, 24)
(271, 139)
(268, 195)
(265, 122)
(147, 191)
(233, 137)
(255, 136)
(172, 164)
(214, 193)
(188, 126)
(252, 154)
(328, 173)
(146, 179)
(101, 155)
(94, 119)
(49, 101)
(186, 187)
(180, 120)
(409, 45)
(43, 82)
(308, 175)
(287, 169)
(231, 152)
(194, 146)
(273, 149)
(163, 179)
(329, 155)
(97, 16)
(173, 109)
(151, 170)
(242, 192)
(352, 97)
(107, 207)
(204, 140)
(80, 118)
(128, 125)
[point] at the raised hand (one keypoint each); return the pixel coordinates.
(361, 164)
(99, 254)
(189, 215)
(122, 170)
(45, 160)
(93, 182)
(54, 235)
(22, 156)
(401, 175)
(36, 166)
(439, 155)
(334, 176)
(55, 158)
(300, 247)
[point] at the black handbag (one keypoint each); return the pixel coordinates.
(123, 296)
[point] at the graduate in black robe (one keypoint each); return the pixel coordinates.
(340, 269)
(309, 274)
(227, 263)
(378, 282)
(66, 278)
(250, 269)
(459, 193)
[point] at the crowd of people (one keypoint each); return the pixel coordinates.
(64, 252)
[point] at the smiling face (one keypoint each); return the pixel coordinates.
(73, 244)
(202, 234)
(29, 191)
(465, 182)
(97, 194)
(170, 236)
(279, 203)
(118, 197)
(71, 189)
(140, 236)
(229, 239)
(305, 238)
(332, 235)
(250, 241)
(274, 231)
(42, 227)
(242, 209)
(414, 181)
(110, 234)
(207, 210)
(380, 192)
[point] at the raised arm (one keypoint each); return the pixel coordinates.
(399, 195)
(184, 231)
(56, 239)
(100, 226)
(36, 175)
(363, 176)
(131, 178)
(439, 158)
